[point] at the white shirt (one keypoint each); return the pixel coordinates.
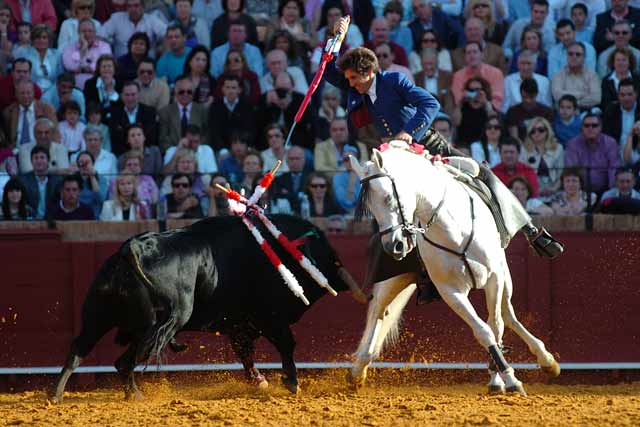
(431, 84)
(372, 90)
(31, 118)
(299, 81)
(131, 115)
(628, 119)
(182, 109)
(512, 90)
(477, 153)
(119, 29)
(205, 156)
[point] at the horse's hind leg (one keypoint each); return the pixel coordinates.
(493, 295)
(459, 302)
(536, 346)
(389, 298)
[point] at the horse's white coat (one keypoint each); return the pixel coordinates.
(421, 186)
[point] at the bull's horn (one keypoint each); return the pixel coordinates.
(357, 293)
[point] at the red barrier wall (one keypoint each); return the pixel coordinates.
(585, 306)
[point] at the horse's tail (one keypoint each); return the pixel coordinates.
(163, 331)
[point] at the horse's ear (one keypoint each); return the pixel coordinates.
(377, 158)
(355, 165)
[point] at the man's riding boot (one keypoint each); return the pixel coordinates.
(427, 291)
(542, 242)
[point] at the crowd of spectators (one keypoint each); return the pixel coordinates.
(136, 109)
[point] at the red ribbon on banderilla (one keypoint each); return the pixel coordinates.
(241, 206)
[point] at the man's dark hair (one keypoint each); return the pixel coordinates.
(21, 61)
(529, 86)
(624, 169)
(237, 22)
(174, 27)
(177, 176)
(131, 83)
(628, 81)
(226, 8)
(582, 7)
(565, 23)
(72, 178)
(393, 6)
(66, 77)
(578, 43)
(40, 149)
(283, 3)
(541, 3)
(230, 77)
(572, 99)
(193, 130)
(509, 140)
(147, 60)
(69, 105)
(361, 60)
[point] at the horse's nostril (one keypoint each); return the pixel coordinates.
(399, 247)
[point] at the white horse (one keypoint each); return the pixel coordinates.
(404, 191)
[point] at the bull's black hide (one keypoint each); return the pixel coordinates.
(210, 276)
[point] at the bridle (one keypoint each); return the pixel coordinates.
(408, 229)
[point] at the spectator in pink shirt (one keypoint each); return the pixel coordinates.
(81, 57)
(475, 67)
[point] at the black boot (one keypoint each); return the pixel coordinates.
(542, 242)
(427, 291)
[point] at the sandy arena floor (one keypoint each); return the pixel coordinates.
(326, 401)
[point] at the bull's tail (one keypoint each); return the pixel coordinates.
(163, 331)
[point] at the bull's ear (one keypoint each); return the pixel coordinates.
(355, 165)
(377, 158)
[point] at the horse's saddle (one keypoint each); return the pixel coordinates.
(470, 173)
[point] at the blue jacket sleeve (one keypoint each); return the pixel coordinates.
(426, 105)
(335, 76)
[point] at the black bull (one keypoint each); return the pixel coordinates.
(210, 276)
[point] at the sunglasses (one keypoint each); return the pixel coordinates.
(318, 185)
(149, 72)
(180, 185)
(85, 7)
(539, 129)
(494, 127)
(334, 230)
(185, 92)
(479, 5)
(591, 125)
(622, 33)
(428, 40)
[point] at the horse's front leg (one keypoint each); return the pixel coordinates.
(388, 299)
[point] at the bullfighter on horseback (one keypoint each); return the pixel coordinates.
(393, 108)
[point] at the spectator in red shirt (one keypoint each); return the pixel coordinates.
(40, 12)
(510, 167)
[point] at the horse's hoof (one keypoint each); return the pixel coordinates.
(135, 396)
(54, 398)
(261, 382)
(294, 388)
(495, 389)
(552, 370)
(518, 388)
(356, 383)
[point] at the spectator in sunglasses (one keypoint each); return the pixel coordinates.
(319, 193)
(177, 116)
(386, 60)
(520, 114)
(542, 152)
(181, 202)
(154, 92)
(576, 79)
(594, 150)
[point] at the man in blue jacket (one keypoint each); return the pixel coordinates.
(396, 109)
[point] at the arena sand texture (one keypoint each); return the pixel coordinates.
(389, 399)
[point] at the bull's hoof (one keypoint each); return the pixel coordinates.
(133, 396)
(495, 389)
(177, 347)
(552, 370)
(356, 383)
(516, 389)
(292, 386)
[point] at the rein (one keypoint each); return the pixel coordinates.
(411, 230)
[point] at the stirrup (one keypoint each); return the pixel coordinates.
(545, 245)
